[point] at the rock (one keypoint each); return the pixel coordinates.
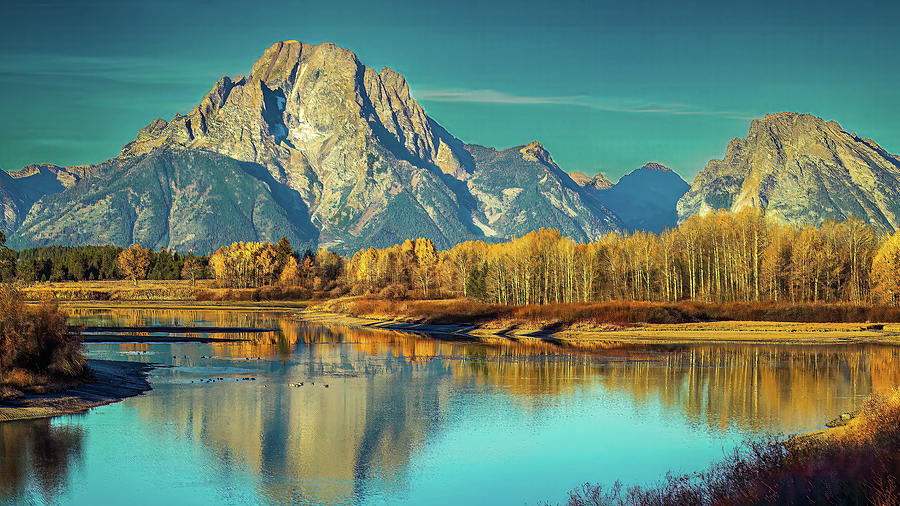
(803, 170)
(314, 145)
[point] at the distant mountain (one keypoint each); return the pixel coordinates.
(189, 200)
(802, 170)
(644, 200)
(20, 189)
(598, 182)
(522, 186)
(316, 146)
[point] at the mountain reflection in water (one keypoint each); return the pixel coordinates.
(401, 413)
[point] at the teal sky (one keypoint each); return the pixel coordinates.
(605, 86)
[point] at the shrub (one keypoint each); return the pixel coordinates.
(35, 342)
(858, 464)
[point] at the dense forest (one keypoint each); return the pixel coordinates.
(88, 263)
(720, 257)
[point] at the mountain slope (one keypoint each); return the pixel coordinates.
(598, 182)
(522, 186)
(19, 190)
(169, 198)
(369, 166)
(801, 169)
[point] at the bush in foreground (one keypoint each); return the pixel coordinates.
(855, 464)
(36, 346)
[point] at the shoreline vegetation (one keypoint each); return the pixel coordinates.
(578, 325)
(43, 370)
(856, 463)
(720, 258)
(111, 381)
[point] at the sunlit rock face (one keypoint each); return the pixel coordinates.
(520, 189)
(351, 143)
(803, 170)
(598, 182)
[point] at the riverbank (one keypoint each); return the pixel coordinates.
(856, 463)
(113, 382)
(588, 335)
(578, 333)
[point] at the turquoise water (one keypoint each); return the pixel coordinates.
(411, 420)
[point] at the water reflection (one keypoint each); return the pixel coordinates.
(403, 416)
(36, 456)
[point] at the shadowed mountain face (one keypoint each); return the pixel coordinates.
(189, 200)
(644, 200)
(317, 146)
(801, 169)
(19, 190)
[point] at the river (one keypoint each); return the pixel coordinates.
(391, 418)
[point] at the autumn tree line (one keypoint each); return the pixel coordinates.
(720, 257)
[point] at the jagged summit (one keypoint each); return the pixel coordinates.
(314, 145)
(644, 199)
(802, 169)
(323, 147)
(598, 182)
(535, 152)
(655, 166)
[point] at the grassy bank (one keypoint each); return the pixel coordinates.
(587, 325)
(38, 352)
(607, 313)
(858, 463)
(454, 311)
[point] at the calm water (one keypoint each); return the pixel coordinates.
(416, 420)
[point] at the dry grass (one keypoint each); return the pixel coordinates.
(860, 466)
(165, 290)
(115, 290)
(37, 348)
(605, 313)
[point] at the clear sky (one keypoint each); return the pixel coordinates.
(605, 86)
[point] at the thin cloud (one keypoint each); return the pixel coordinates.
(487, 96)
(67, 69)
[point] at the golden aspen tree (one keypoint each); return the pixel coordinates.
(426, 262)
(290, 273)
(134, 262)
(886, 271)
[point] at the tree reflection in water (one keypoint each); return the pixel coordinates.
(37, 454)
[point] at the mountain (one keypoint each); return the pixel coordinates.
(314, 145)
(644, 200)
(598, 182)
(20, 189)
(188, 200)
(802, 170)
(521, 186)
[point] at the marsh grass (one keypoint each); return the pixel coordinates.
(855, 464)
(452, 311)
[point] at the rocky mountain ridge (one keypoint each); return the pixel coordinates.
(315, 146)
(803, 170)
(644, 199)
(338, 155)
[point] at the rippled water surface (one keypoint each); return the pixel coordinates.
(388, 418)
